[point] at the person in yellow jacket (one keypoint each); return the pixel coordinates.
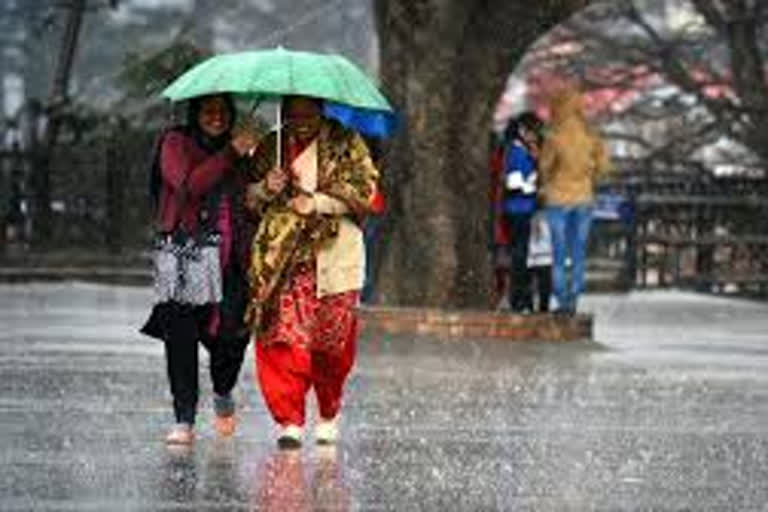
(573, 158)
(307, 264)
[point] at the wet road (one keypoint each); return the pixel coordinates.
(667, 411)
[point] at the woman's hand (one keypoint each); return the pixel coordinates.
(303, 204)
(252, 197)
(244, 143)
(276, 181)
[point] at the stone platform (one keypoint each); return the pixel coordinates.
(476, 324)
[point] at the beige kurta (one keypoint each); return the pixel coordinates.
(340, 260)
(337, 171)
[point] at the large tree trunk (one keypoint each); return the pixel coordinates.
(443, 65)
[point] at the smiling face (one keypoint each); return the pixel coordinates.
(303, 117)
(214, 117)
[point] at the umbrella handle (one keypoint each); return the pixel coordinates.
(279, 124)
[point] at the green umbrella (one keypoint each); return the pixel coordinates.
(280, 72)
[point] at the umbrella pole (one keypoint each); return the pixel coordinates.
(279, 134)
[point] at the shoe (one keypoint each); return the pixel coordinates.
(181, 434)
(223, 405)
(522, 308)
(225, 425)
(225, 420)
(290, 437)
(327, 431)
(565, 308)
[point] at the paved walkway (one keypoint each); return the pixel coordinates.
(667, 411)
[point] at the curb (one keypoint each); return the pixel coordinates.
(110, 275)
(477, 324)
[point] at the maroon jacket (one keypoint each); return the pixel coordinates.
(182, 159)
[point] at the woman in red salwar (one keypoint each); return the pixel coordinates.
(307, 264)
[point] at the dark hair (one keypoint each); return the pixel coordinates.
(289, 98)
(191, 129)
(193, 111)
(528, 120)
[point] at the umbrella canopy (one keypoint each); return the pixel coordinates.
(351, 96)
(375, 123)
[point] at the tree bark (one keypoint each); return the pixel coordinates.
(740, 24)
(443, 66)
(42, 217)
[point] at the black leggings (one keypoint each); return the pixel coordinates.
(542, 275)
(181, 352)
(520, 286)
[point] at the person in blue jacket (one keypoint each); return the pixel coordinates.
(519, 203)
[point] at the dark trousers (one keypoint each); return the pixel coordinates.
(542, 276)
(181, 351)
(520, 287)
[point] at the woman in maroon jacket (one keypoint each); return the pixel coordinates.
(198, 189)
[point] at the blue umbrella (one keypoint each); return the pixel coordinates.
(374, 123)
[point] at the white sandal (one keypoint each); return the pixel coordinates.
(290, 437)
(327, 431)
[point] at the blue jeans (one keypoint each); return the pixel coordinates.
(569, 226)
(371, 235)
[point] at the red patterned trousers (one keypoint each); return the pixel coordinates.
(310, 344)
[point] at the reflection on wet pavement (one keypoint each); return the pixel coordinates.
(279, 481)
(667, 411)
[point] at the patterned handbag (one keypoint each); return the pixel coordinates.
(187, 266)
(187, 269)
